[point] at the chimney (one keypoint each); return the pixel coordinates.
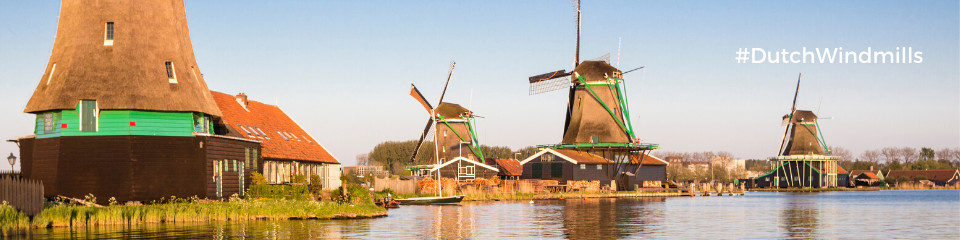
(242, 99)
(871, 168)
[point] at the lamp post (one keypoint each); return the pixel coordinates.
(12, 160)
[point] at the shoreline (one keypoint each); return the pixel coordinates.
(12, 221)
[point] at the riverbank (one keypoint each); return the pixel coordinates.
(482, 196)
(846, 189)
(184, 211)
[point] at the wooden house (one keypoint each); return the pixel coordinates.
(464, 170)
(123, 111)
(510, 169)
(939, 177)
(866, 177)
(571, 165)
(286, 148)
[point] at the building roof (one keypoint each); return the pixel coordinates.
(937, 175)
(648, 160)
(509, 167)
(583, 157)
(438, 167)
(452, 110)
(869, 175)
(281, 137)
(854, 173)
(131, 73)
(803, 139)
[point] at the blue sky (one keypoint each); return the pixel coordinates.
(343, 69)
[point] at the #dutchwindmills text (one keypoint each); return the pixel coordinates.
(803, 159)
(597, 127)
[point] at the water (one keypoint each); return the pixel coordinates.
(831, 215)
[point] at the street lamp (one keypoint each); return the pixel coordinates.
(12, 160)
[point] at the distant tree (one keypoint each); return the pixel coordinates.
(500, 152)
(841, 152)
(925, 165)
(758, 165)
(927, 154)
(394, 155)
(363, 159)
(526, 152)
(872, 156)
(861, 165)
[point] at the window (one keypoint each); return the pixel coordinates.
(108, 34)
(256, 159)
(284, 136)
(52, 69)
(246, 158)
(556, 170)
(583, 166)
(537, 170)
(547, 158)
(245, 130)
(261, 132)
(88, 115)
(254, 131)
(171, 75)
(48, 123)
(599, 167)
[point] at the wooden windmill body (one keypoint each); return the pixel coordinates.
(804, 160)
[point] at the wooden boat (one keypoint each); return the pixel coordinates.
(430, 200)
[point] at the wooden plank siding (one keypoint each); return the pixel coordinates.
(450, 171)
(233, 151)
(118, 122)
(131, 167)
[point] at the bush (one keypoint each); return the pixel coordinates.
(358, 194)
(289, 192)
(257, 179)
(299, 178)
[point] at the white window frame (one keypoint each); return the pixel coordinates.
(583, 166)
(172, 74)
(109, 41)
(96, 116)
(599, 166)
(52, 70)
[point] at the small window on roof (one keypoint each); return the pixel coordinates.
(108, 34)
(261, 131)
(284, 137)
(254, 131)
(244, 129)
(306, 138)
(171, 75)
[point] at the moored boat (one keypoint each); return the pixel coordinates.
(430, 200)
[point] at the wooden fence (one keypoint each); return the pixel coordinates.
(397, 185)
(23, 194)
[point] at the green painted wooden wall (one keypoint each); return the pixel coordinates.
(117, 122)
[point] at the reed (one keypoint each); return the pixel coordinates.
(184, 211)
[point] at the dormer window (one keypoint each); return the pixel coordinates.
(108, 34)
(171, 75)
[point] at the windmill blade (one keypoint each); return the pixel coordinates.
(415, 93)
(426, 131)
(449, 74)
(793, 110)
(576, 59)
(549, 82)
(605, 58)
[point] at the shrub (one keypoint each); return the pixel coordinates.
(257, 179)
(316, 184)
(359, 194)
(290, 192)
(299, 178)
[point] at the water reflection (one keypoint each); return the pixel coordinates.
(800, 217)
(844, 215)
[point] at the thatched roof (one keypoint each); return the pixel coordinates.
(130, 74)
(452, 110)
(595, 71)
(804, 139)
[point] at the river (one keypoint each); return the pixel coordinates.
(931, 214)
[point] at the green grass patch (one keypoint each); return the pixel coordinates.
(184, 211)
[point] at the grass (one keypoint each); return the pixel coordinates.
(184, 211)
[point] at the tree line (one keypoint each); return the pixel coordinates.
(394, 156)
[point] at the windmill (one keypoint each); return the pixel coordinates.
(452, 127)
(804, 158)
(597, 113)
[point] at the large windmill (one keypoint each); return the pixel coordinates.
(452, 127)
(597, 114)
(803, 159)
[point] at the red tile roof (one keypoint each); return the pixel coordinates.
(284, 138)
(937, 175)
(871, 175)
(509, 167)
(647, 160)
(855, 173)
